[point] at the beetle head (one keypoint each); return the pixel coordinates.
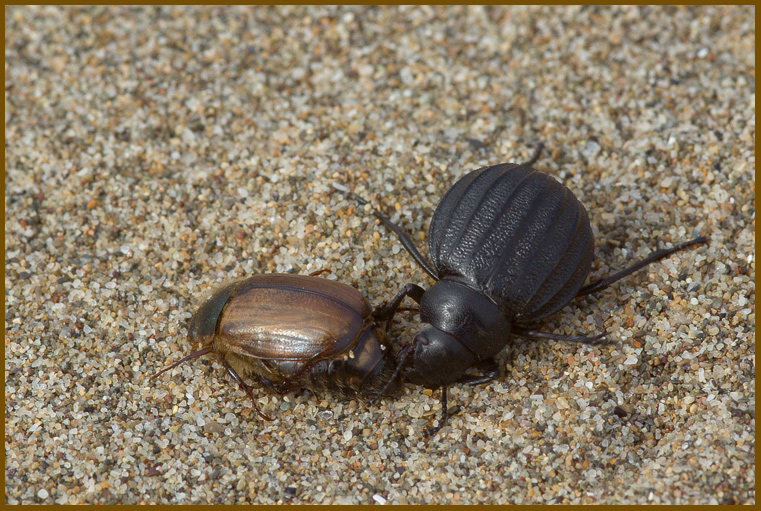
(203, 324)
(438, 359)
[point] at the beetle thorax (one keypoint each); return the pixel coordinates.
(468, 315)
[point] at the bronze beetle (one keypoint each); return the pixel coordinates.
(289, 331)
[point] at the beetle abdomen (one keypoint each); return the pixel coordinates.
(518, 235)
(292, 317)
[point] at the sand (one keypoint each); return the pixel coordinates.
(155, 153)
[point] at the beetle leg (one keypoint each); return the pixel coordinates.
(444, 415)
(406, 352)
(578, 339)
(535, 157)
(281, 387)
(490, 372)
(246, 388)
(277, 387)
(388, 310)
(403, 237)
(601, 284)
(291, 384)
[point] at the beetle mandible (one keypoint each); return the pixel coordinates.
(288, 331)
(509, 245)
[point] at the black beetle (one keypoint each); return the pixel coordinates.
(510, 246)
(295, 331)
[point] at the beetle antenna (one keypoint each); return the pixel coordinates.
(659, 254)
(600, 339)
(403, 355)
(197, 354)
(404, 238)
